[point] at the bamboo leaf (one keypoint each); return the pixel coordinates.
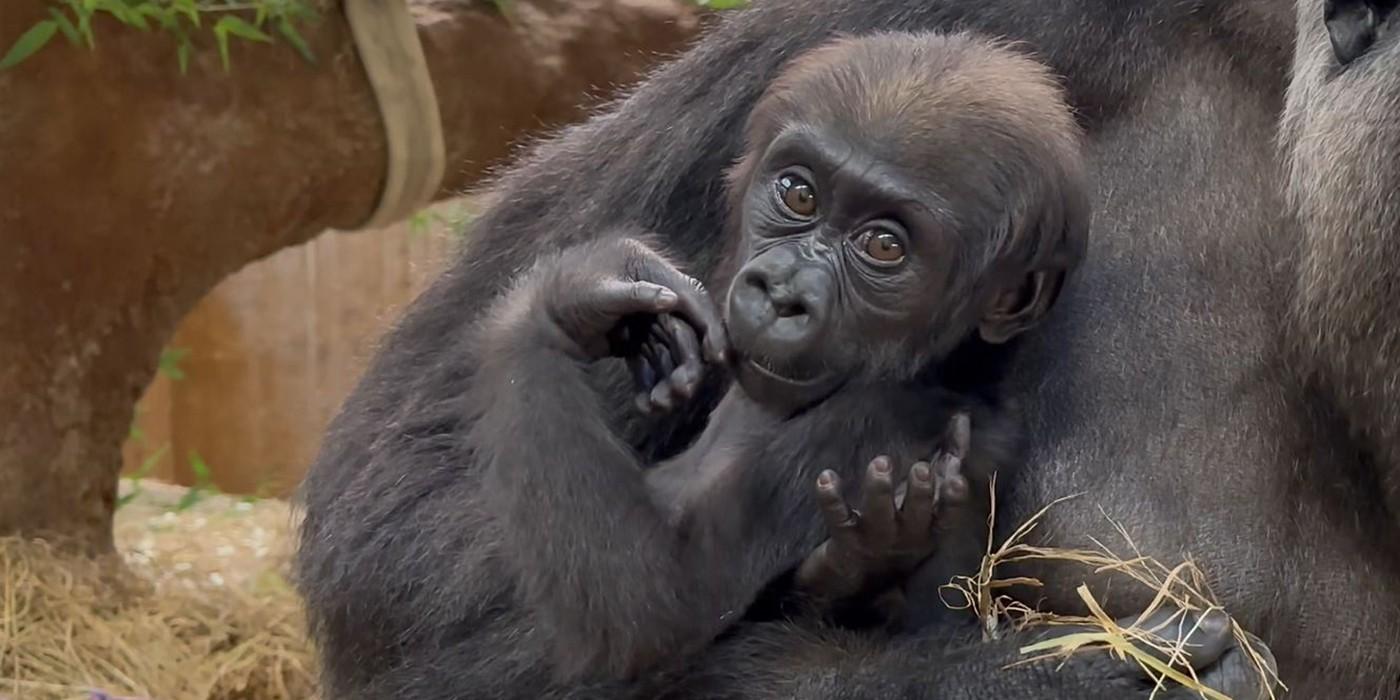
(221, 38)
(293, 37)
(182, 54)
(29, 42)
(65, 25)
(189, 8)
(239, 27)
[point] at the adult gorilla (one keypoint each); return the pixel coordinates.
(1220, 379)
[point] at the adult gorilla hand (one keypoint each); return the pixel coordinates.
(1207, 644)
(621, 298)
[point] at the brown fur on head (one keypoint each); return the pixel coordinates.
(983, 126)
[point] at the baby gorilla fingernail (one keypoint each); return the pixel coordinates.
(666, 297)
(881, 466)
(920, 472)
(825, 479)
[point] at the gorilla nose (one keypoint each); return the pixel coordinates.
(785, 302)
(780, 313)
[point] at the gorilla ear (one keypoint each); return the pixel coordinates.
(1352, 25)
(1018, 309)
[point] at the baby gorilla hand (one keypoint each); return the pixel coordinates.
(622, 299)
(876, 547)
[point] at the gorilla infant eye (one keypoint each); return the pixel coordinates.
(881, 245)
(797, 195)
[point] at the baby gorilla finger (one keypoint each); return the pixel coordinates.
(617, 298)
(662, 395)
(685, 352)
(841, 522)
(958, 437)
(950, 482)
(646, 366)
(916, 512)
(879, 522)
(674, 351)
(832, 570)
(694, 305)
(643, 377)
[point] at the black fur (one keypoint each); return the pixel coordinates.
(1161, 386)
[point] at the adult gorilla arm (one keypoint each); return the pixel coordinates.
(1340, 136)
(400, 559)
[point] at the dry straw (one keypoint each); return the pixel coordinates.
(1182, 588)
(71, 625)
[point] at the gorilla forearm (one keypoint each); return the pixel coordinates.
(780, 660)
(619, 572)
(1339, 130)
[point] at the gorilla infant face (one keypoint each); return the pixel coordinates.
(900, 197)
(844, 257)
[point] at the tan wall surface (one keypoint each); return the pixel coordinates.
(274, 349)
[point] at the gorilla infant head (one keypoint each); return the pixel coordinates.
(901, 195)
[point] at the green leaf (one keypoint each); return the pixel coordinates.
(190, 9)
(29, 42)
(169, 364)
(150, 462)
(723, 4)
(240, 28)
(293, 37)
(221, 38)
(116, 9)
(85, 25)
(203, 483)
(65, 25)
(203, 475)
(182, 54)
(188, 500)
(168, 19)
(300, 10)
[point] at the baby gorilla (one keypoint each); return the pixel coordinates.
(907, 206)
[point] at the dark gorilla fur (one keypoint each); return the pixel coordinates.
(964, 153)
(1214, 379)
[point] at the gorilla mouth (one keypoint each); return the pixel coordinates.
(785, 389)
(787, 375)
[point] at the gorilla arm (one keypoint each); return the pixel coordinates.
(783, 660)
(618, 576)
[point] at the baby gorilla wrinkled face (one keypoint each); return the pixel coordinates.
(841, 263)
(901, 196)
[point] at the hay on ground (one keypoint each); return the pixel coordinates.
(195, 606)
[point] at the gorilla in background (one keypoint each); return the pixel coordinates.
(1220, 379)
